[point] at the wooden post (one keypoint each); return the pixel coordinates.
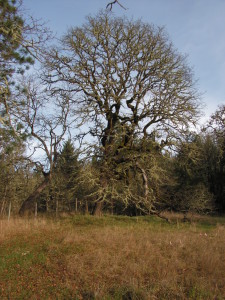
(112, 208)
(76, 205)
(86, 208)
(4, 201)
(47, 208)
(35, 212)
(57, 207)
(9, 213)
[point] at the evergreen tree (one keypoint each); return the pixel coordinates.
(191, 191)
(215, 130)
(12, 48)
(14, 56)
(63, 186)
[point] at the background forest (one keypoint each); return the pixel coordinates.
(106, 121)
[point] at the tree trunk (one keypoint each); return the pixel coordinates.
(3, 202)
(36, 209)
(145, 181)
(86, 208)
(9, 213)
(97, 209)
(28, 206)
(112, 207)
(57, 208)
(76, 205)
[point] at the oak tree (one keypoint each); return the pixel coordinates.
(129, 86)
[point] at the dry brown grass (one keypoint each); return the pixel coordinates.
(127, 262)
(166, 265)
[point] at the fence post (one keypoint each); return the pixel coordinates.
(35, 213)
(76, 205)
(9, 213)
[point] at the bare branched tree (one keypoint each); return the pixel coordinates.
(131, 87)
(44, 121)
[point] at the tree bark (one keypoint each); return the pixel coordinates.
(28, 206)
(57, 208)
(3, 202)
(9, 213)
(145, 181)
(76, 206)
(86, 208)
(97, 209)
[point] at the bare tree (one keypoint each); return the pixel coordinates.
(131, 87)
(44, 121)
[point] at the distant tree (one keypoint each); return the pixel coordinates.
(130, 86)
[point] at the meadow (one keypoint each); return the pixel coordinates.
(112, 257)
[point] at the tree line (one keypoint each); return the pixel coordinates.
(105, 124)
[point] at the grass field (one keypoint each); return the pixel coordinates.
(84, 257)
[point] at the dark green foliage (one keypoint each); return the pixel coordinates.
(193, 174)
(12, 51)
(14, 58)
(62, 191)
(21, 39)
(215, 131)
(67, 169)
(67, 162)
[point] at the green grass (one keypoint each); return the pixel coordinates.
(205, 223)
(112, 257)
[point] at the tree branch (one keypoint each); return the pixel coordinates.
(110, 5)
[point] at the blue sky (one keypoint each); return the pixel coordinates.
(196, 28)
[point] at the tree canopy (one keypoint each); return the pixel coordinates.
(128, 83)
(128, 78)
